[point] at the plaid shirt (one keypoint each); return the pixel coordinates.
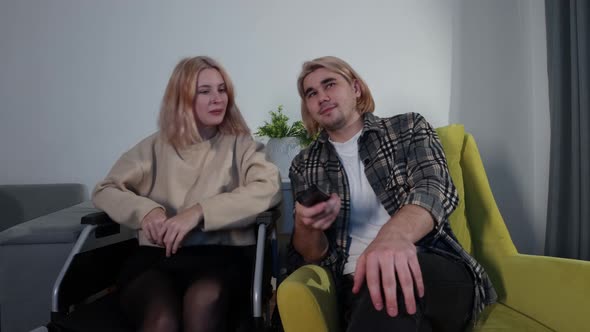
(405, 164)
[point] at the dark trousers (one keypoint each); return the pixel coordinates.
(446, 305)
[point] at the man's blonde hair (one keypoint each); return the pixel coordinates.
(177, 120)
(364, 104)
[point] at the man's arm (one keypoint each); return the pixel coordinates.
(310, 223)
(431, 199)
(309, 243)
(393, 251)
(413, 221)
(428, 176)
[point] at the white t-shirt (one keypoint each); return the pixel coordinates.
(367, 214)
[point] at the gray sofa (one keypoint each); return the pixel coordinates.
(37, 233)
(20, 203)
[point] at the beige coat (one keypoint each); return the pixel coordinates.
(228, 175)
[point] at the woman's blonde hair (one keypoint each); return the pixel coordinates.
(177, 114)
(364, 104)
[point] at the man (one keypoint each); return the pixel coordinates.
(384, 231)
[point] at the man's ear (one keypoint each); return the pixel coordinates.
(357, 88)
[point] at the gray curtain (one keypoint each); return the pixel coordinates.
(568, 60)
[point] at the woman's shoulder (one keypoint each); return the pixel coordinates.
(150, 144)
(243, 146)
(240, 138)
(240, 141)
(151, 139)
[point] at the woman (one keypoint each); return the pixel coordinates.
(190, 190)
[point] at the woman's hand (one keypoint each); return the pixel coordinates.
(152, 225)
(176, 228)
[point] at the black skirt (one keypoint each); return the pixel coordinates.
(233, 265)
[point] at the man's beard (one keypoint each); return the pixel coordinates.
(335, 124)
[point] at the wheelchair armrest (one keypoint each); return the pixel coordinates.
(105, 226)
(269, 220)
(265, 222)
(96, 218)
(95, 259)
(268, 217)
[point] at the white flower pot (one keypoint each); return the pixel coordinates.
(281, 152)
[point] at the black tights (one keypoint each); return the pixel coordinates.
(153, 303)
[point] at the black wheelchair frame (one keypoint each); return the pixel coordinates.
(86, 284)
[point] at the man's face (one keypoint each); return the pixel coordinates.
(330, 99)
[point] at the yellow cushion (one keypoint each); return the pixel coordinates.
(451, 137)
(499, 317)
(309, 296)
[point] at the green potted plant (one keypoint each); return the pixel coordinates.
(285, 140)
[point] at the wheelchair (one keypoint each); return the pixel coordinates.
(85, 296)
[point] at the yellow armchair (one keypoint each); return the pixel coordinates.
(536, 293)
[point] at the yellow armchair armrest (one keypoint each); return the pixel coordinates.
(553, 291)
(307, 301)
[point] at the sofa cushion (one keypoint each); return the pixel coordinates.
(20, 203)
(499, 317)
(62, 226)
(451, 137)
(309, 295)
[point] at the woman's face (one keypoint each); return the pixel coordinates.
(211, 100)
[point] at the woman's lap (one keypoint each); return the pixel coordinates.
(231, 266)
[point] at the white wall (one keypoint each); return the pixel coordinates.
(499, 91)
(81, 81)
